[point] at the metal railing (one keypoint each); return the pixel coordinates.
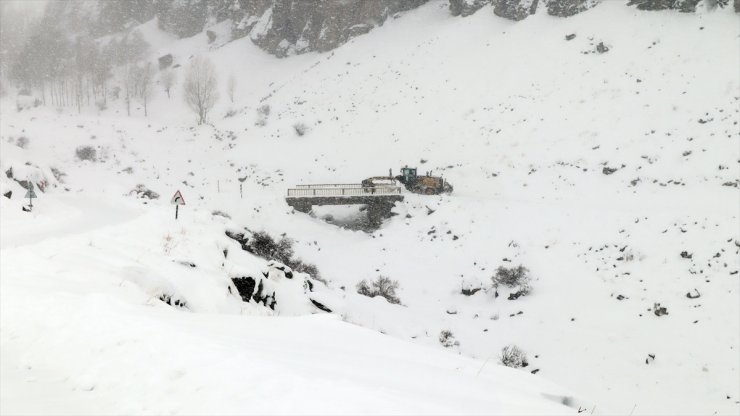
(330, 185)
(342, 190)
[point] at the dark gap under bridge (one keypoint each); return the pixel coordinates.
(379, 199)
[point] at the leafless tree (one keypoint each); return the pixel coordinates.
(144, 78)
(167, 78)
(200, 87)
(129, 85)
(231, 86)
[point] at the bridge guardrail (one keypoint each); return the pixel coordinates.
(330, 185)
(339, 190)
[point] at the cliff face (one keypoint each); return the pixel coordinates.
(285, 27)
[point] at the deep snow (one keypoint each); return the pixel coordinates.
(521, 121)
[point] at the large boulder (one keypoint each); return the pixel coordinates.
(515, 9)
(466, 7)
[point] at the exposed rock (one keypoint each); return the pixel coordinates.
(693, 295)
(165, 61)
(570, 36)
(659, 310)
(285, 27)
(601, 48)
(245, 287)
(466, 7)
(682, 5)
(173, 301)
(320, 305)
(515, 9)
(184, 18)
(737, 6)
(211, 36)
(608, 171)
(241, 238)
(470, 291)
(566, 8)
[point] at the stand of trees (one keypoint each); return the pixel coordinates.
(76, 72)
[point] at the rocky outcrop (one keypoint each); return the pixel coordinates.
(687, 6)
(286, 27)
(515, 9)
(466, 7)
(184, 18)
(567, 8)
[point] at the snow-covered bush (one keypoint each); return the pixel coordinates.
(262, 114)
(513, 356)
(264, 110)
(141, 191)
(262, 244)
(308, 268)
(447, 339)
(22, 142)
(300, 128)
(86, 153)
(383, 287)
(515, 277)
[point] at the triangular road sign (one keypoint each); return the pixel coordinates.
(30, 193)
(177, 199)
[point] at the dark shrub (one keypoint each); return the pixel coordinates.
(383, 287)
(262, 244)
(447, 339)
(86, 153)
(513, 356)
(511, 277)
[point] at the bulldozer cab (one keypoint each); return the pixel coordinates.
(409, 174)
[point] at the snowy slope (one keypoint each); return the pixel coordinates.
(520, 120)
(82, 336)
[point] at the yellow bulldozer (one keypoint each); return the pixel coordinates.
(418, 184)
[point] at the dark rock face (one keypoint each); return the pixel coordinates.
(184, 18)
(285, 27)
(737, 6)
(682, 5)
(165, 61)
(466, 7)
(515, 9)
(566, 8)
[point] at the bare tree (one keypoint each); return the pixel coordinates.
(144, 78)
(231, 86)
(200, 87)
(167, 78)
(129, 85)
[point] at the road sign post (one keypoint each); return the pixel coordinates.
(30, 194)
(177, 200)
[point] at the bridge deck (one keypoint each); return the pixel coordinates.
(379, 199)
(340, 190)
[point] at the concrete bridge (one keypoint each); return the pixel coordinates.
(379, 199)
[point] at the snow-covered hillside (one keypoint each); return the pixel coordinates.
(611, 175)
